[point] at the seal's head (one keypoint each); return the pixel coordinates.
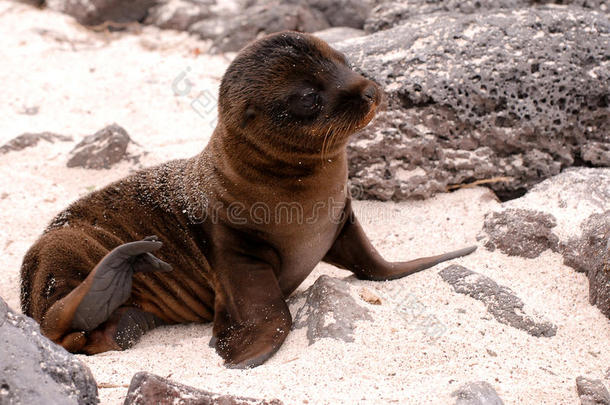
(294, 91)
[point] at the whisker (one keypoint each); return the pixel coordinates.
(322, 152)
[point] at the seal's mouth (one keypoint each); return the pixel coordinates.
(369, 100)
(373, 95)
(367, 118)
(354, 113)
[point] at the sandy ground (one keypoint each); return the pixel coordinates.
(82, 81)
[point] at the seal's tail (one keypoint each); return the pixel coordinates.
(403, 269)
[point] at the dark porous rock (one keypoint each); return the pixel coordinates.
(28, 140)
(94, 12)
(341, 13)
(338, 34)
(602, 5)
(512, 97)
(231, 33)
(477, 393)
(590, 253)
(330, 311)
(501, 302)
(520, 232)
(102, 149)
(592, 392)
(146, 388)
(389, 14)
(598, 153)
(586, 253)
(178, 14)
(34, 370)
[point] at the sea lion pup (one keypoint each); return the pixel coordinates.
(242, 224)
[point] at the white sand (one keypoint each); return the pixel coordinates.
(127, 79)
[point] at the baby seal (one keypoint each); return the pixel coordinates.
(242, 224)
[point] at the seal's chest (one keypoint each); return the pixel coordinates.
(303, 251)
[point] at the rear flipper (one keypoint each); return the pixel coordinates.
(73, 321)
(353, 251)
(121, 331)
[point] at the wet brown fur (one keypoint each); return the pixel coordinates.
(235, 273)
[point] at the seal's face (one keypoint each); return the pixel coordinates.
(294, 89)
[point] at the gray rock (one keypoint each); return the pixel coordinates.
(590, 253)
(33, 110)
(592, 392)
(341, 13)
(501, 302)
(210, 28)
(230, 33)
(330, 311)
(338, 34)
(3, 311)
(29, 140)
(94, 12)
(178, 14)
(574, 206)
(518, 94)
(102, 149)
(34, 370)
(477, 393)
(36, 3)
(599, 282)
(586, 185)
(520, 232)
(146, 388)
(389, 14)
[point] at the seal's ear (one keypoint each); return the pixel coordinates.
(249, 114)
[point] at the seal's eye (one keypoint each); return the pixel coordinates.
(305, 104)
(310, 100)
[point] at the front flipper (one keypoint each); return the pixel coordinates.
(353, 251)
(250, 343)
(106, 288)
(250, 326)
(251, 319)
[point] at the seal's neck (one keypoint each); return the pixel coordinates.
(232, 169)
(271, 159)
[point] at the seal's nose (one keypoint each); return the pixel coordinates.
(370, 93)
